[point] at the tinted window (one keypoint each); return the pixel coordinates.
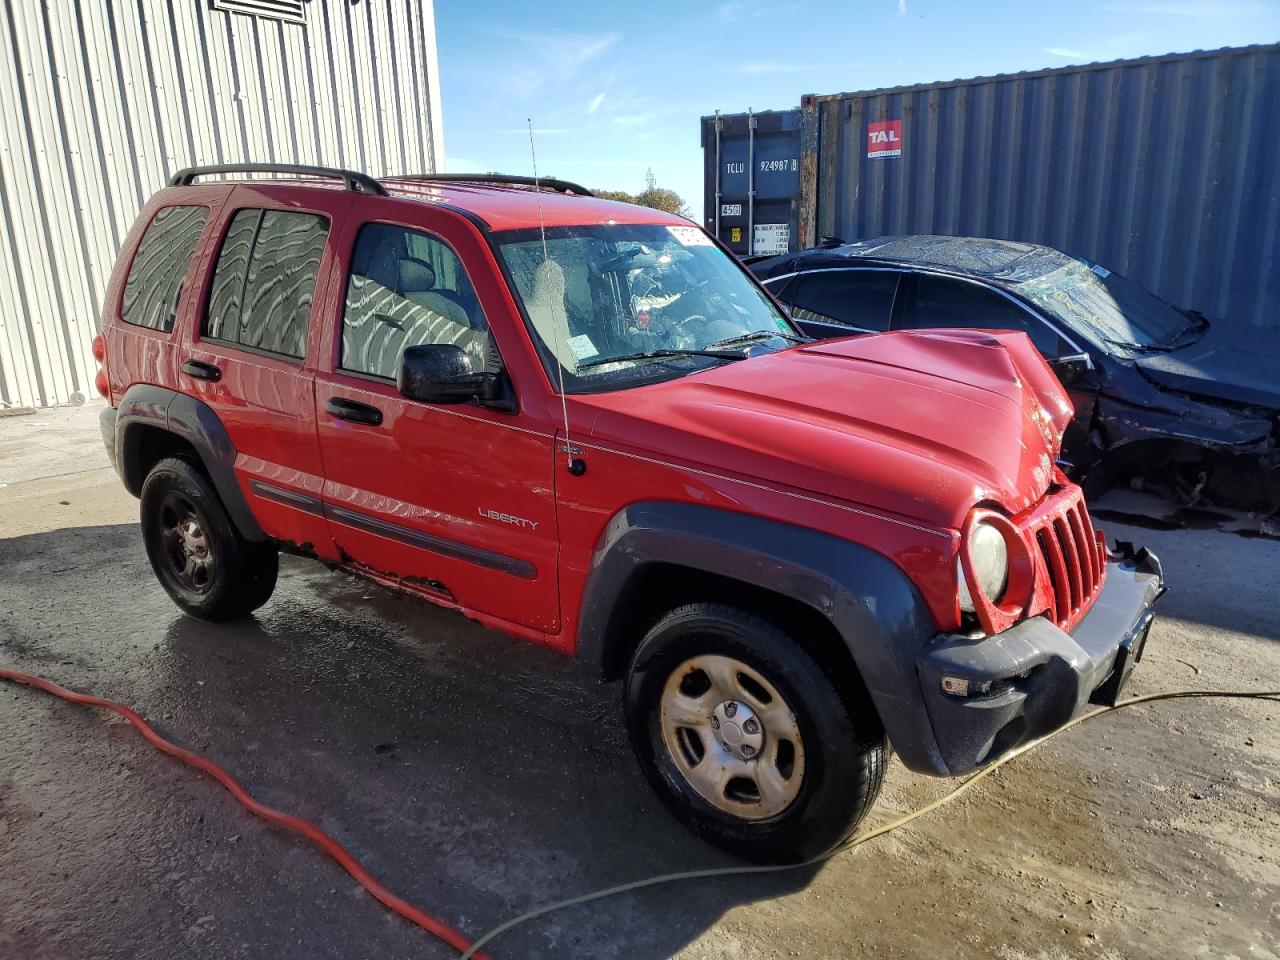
(159, 267)
(857, 298)
(942, 302)
(265, 281)
(407, 288)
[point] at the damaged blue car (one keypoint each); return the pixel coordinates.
(1161, 393)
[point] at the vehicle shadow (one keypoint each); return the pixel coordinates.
(1217, 579)
(475, 775)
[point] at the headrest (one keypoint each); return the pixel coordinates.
(549, 283)
(416, 275)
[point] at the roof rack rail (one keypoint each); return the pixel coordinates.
(551, 183)
(359, 182)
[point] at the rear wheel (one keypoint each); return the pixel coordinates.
(199, 557)
(746, 738)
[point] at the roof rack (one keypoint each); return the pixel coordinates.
(551, 183)
(354, 180)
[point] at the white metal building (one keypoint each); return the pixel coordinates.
(103, 100)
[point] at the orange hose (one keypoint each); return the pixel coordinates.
(408, 911)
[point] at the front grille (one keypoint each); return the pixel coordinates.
(1074, 554)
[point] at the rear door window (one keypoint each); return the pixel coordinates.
(862, 299)
(946, 302)
(265, 281)
(159, 268)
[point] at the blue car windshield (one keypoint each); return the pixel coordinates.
(1095, 300)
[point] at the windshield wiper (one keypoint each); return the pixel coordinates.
(1144, 347)
(659, 354)
(759, 335)
(1199, 322)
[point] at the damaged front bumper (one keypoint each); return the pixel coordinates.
(987, 696)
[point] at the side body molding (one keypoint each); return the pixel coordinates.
(146, 405)
(872, 604)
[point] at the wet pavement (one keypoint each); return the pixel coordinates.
(478, 776)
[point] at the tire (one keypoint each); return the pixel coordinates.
(809, 796)
(198, 555)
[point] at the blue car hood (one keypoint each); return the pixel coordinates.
(1239, 369)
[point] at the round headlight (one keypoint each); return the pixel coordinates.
(990, 557)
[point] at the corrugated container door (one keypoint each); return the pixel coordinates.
(752, 170)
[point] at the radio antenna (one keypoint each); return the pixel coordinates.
(576, 466)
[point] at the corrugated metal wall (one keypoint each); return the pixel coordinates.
(1166, 169)
(102, 101)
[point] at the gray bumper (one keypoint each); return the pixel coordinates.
(1042, 676)
(107, 424)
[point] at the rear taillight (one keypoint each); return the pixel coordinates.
(100, 354)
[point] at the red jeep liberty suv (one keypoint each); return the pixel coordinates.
(585, 424)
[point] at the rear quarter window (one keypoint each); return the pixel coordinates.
(159, 268)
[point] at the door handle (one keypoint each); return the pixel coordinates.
(202, 371)
(345, 409)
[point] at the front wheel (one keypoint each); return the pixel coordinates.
(747, 739)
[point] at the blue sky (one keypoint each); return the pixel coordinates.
(614, 90)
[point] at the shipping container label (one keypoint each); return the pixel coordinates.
(779, 166)
(884, 138)
(730, 209)
(771, 239)
(735, 234)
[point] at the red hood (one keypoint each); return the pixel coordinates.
(920, 424)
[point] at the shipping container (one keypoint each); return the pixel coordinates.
(752, 179)
(1166, 169)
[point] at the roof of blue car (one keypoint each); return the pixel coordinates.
(1007, 260)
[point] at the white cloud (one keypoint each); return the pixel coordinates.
(764, 67)
(1067, 53)
(902, 8)
(772, 66)
(634, 119)
(1209, 9)
(552, 57)
(594, 105)
(735, 12)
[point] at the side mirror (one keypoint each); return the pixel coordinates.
(1071, 367)
(441, 373)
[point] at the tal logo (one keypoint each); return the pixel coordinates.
(884, 138)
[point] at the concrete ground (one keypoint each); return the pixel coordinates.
(479, 777)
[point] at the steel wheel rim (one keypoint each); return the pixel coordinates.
(187, 551)
(732, 736)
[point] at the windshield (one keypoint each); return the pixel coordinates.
(620, 290)
(1112, 307)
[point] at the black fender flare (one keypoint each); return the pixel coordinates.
(871, 602)
(146, 406)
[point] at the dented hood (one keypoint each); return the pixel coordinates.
(1221, 367)
(922, 424)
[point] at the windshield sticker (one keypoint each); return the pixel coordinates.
(1100, 270)
(690, 237)
(582, 347)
